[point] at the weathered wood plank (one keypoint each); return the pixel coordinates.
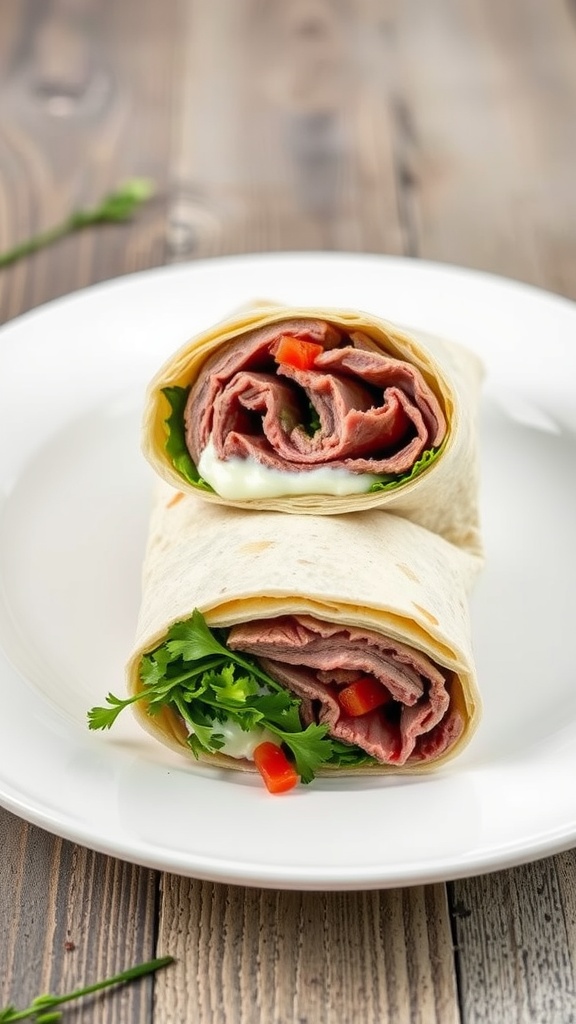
(488, 89)
(247, 955)
(81, 112)
(69, 917)
(516, 933)
(302, 157)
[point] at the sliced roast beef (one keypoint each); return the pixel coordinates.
(377, 413)
(315, 659)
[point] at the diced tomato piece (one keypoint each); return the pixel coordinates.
(296, 352)
(363, 695)
(275, 768)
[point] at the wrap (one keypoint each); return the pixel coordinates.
(320, 411)
(318, 603)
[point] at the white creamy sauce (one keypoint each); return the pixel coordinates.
(242, 479)
(238, 743)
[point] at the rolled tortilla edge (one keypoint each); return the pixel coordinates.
(169, 729)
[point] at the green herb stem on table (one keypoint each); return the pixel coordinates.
(117, 206)
(42, 1008)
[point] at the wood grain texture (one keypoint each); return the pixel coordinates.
(516, 933)
(247, 955)
(303, 155)
(81, 113)
(488, 89)
(444, 130)
(69, 917)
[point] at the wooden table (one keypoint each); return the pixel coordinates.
(443, 129)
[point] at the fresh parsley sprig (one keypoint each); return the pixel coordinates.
(206, 684)
(118, 205)
(42, 1008)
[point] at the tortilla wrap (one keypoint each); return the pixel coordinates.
(370, 571)
(440, 493)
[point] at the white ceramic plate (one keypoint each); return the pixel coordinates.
(74, 499)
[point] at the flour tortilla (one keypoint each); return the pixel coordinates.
(370, 569)
(443, 498)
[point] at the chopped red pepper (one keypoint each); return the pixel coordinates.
(275, 768)
(363, 695)
(296, 352)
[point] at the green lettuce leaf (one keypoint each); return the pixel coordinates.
(176, 447)
(389, 482)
